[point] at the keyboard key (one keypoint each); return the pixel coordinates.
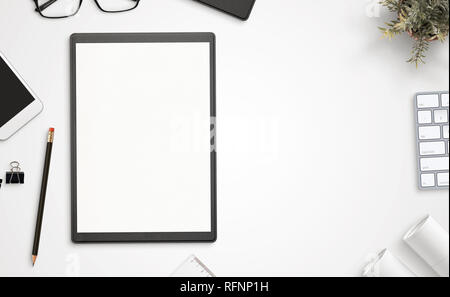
(442, 179)
(445, 131)
(430, 164)
(424, 101)
(424, 117)
(444, 99)
(440, 116)
(430, 132)
(432, 148)
(427, 180)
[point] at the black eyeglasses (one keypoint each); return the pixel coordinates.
(57, 9)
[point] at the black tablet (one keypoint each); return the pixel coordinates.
(143, 137)
(238, 8)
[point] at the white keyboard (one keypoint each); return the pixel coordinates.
(432, 115)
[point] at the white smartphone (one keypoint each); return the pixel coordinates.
(18, 103)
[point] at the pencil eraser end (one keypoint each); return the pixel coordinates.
(51, 130)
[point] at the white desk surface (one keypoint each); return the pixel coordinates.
(316, 161)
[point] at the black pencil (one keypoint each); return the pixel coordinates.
(40, 214)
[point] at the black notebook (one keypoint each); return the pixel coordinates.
(238, 8)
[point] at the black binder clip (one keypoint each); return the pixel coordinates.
(15, 176)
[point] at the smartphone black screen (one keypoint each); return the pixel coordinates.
(14, 96)
(238, 8)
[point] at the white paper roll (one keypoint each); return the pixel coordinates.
(386, 265)
(430, 241)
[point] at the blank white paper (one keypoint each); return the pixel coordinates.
(143, 138)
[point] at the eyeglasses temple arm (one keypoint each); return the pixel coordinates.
(45, 5)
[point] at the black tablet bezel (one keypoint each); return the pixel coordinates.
(138, 236)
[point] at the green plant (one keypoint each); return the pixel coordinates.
(423, 20)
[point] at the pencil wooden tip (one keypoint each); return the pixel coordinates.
(33, 257)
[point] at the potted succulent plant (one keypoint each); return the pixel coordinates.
(424, 20)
